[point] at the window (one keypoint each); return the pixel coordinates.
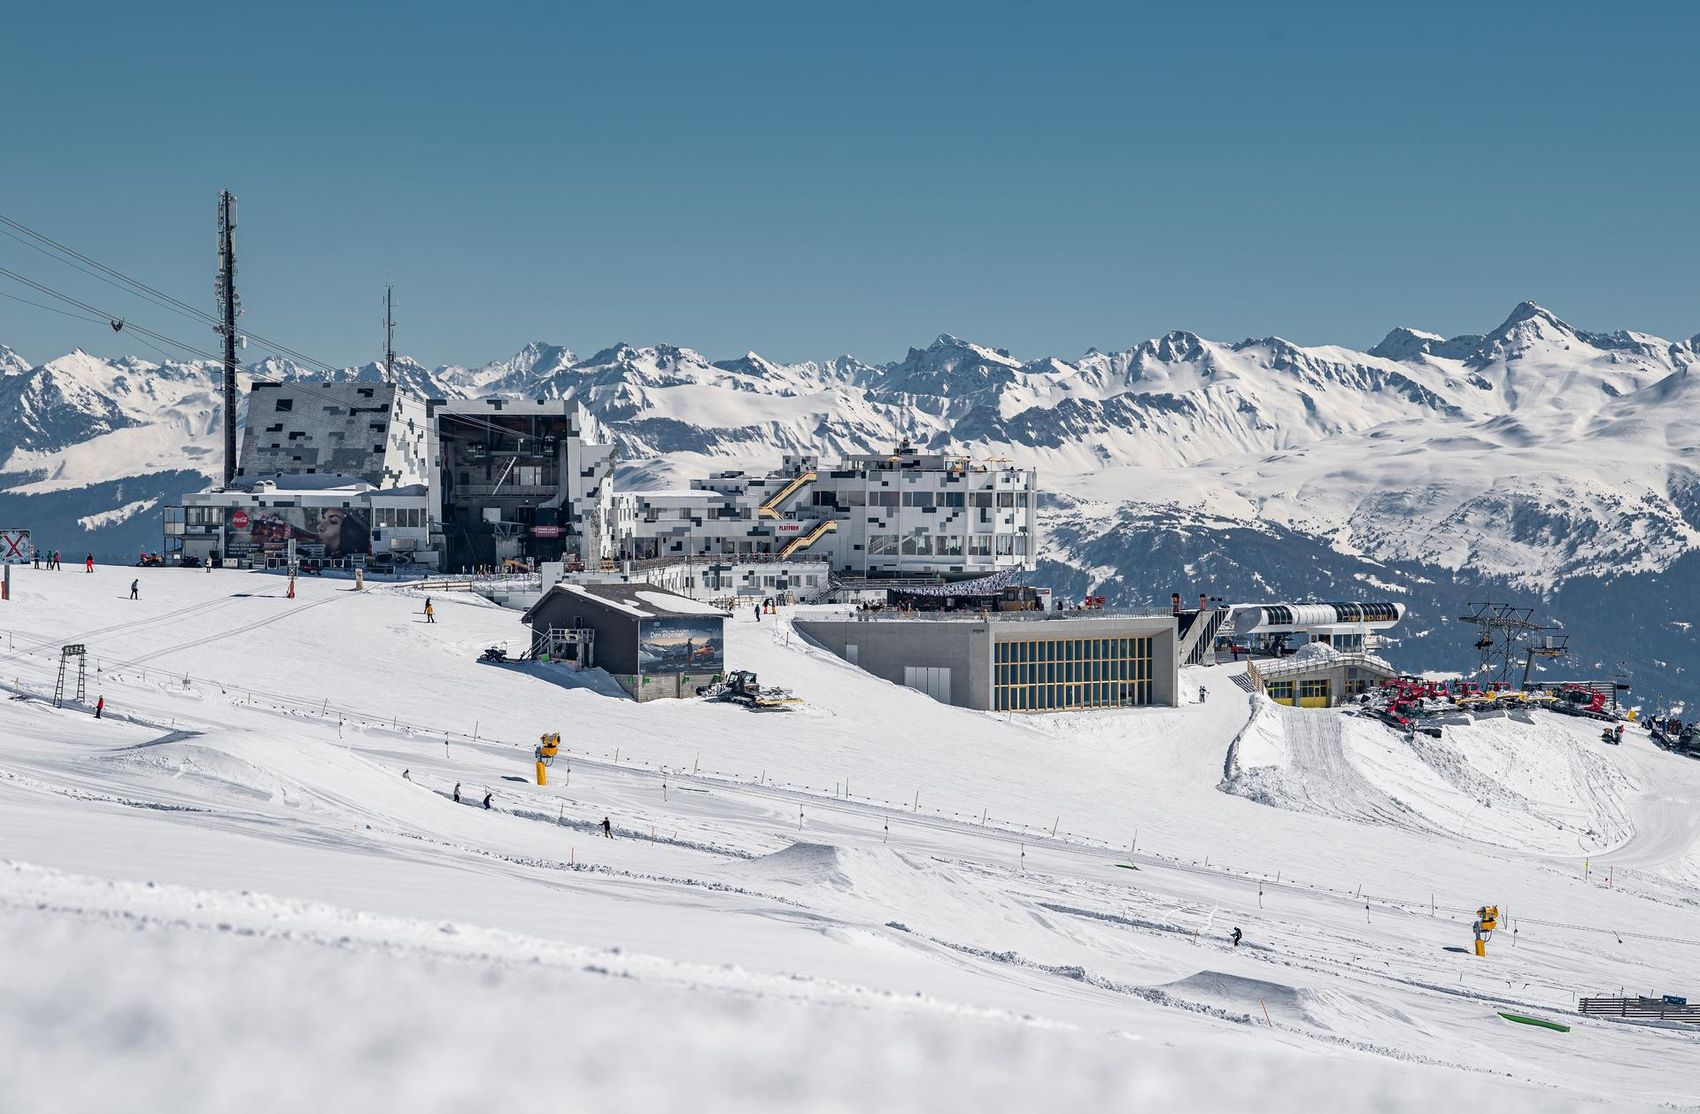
(1068, 673)
(882, 545)
(1006, 498)
(1281, 691)
(1006, 545)
(529, 475)
(918, 544)
(950, 546)
(284, 404)
(982, 499)
(952, 498)
(917, 498)
(979, 545)
(1313, 690)
(882, 498)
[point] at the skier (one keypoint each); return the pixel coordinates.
(457, 792)
(1236, 936)
(407, 775)
(1203, 694)
(88, 563)
(99, 707)
(607, 828)
(487, 797)
(135, 589)
(758, 612)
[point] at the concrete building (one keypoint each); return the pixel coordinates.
(892, 515)
(1319, 677)
(525, 480)
(654, 643)
(1017, 661)
(323, 518)
(371, 432)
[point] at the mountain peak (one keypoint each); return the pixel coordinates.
(1532, 311)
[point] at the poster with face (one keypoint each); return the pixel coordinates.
(686, 645)
(342, 531)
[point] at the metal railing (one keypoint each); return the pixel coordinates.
(1656, 1009)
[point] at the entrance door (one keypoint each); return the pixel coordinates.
(934, 680)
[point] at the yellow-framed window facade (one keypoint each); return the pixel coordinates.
(1066, 674)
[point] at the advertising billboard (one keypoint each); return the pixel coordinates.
(267, 531)
(695, 644)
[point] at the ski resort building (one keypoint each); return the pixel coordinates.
(326, 519)
(374, 433)
(524, 480)
(1025, 661)
(654, 643)
(334, 473)
(1282, 627)
(875, 516)
(1319, 677)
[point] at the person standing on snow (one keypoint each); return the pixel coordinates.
(88, 563)
(607, 828)
(430, 612)
(457, 792)
(487, 797)
(758, 612)
(135, 589)
(1236, 936)
(99, 707)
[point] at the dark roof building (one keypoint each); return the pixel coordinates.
(654, 643)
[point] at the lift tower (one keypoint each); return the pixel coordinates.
(224, 289)
(1502, 634)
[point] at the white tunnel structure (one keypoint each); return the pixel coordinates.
(1314, 618)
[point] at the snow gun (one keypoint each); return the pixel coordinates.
(1487, 919)
(548, 747)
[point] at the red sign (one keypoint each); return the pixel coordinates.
(239, 520)
(787, 527)
(546, 531)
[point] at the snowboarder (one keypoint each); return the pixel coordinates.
(1236, 936)
(607, 828)
(407, 775)
(487, 797)
(430, 612)
(99, 707)
(457, 792)
(88, 563)
(135, 589)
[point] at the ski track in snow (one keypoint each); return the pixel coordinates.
(764, 908)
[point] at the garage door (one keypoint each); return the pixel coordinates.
(934, 680)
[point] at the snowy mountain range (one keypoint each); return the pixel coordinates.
(1536, 460)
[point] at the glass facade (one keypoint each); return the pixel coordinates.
(1046, 675)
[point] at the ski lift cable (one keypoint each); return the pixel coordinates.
(103, 316)
(116, 278)
(71, 253)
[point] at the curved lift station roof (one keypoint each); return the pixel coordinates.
(1281, 618)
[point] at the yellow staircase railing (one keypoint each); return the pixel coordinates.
(770, 509)
(803, 541)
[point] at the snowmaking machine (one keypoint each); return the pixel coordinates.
(548, 746)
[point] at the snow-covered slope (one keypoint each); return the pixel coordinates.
(250, 885)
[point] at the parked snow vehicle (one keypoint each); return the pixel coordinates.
(741, 687)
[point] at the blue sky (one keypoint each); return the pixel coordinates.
(806, 180)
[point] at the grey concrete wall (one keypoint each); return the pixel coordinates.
(885, 647)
